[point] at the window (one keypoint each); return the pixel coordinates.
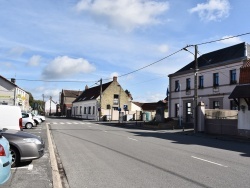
(80, 109)
(89, 110)
(177, 110)
(188, 84)
(85, 110)
(115, 108)
(233, 105)
(93, 109)
(116, 98)
(233, 76)
(216, 79)
(216, 105)
(177, 86)
(201, 82)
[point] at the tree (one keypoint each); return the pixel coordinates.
(31, 99)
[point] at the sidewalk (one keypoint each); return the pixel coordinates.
(189, 132)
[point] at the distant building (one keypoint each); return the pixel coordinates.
(50, 107)
(11, 94)
(66, 99)
(89, 105)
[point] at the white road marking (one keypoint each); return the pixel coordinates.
(54, 123)
(105, 131)
(30, 167)
(75, 122)
(69, 123)
(61, 123)
(209, 161)
(35, 132)
(132, 139)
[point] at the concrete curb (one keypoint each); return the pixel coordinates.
(55, 172)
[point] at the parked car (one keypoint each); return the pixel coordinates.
(5, 160)
(39, 116)
(23, 146)
(36, 120)
(27, 120)
(10, 117)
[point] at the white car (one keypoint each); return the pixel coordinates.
(27, 120)
(42, 118)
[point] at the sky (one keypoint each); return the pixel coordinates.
(49, 45)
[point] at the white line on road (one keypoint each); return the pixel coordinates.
(132, 139)
(35, 132)
(208, 161)
(30, 167)
(105, 131)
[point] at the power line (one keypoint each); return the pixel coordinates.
(144, 66)
(55, 80)
(148, 64)
(220, 39)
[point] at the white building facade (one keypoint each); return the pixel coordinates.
(50, 106)
(217, 76)
(11, 94)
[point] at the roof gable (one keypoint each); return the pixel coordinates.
(91, 93)
(219, 56)
(72, 93)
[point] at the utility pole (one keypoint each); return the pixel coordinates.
(100, 112)
(195, 111)
(50, 105)
(195, 90)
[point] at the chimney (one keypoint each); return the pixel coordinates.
(115, 79)
(86, 87)
(13, 80)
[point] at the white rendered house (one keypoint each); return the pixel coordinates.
(218, 74)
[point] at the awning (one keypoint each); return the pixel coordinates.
(240, 91)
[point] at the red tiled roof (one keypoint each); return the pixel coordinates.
(246, 64)
(245, 73)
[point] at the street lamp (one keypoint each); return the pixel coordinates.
(195, 85)
(119, 100)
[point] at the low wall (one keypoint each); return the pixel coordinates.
(221, 114)
(221, 126)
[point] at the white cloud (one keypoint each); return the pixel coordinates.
(127, 14)
(213, 10)
(17, 51)
(65, 66)
(163, 48)
(151, 97)
(231, 41)
(34, 60)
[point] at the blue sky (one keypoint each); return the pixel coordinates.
(85, 40)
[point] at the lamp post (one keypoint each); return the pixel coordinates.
(100, 112)
(195, 85)
(119, 102)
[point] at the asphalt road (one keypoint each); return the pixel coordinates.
(96, 155)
